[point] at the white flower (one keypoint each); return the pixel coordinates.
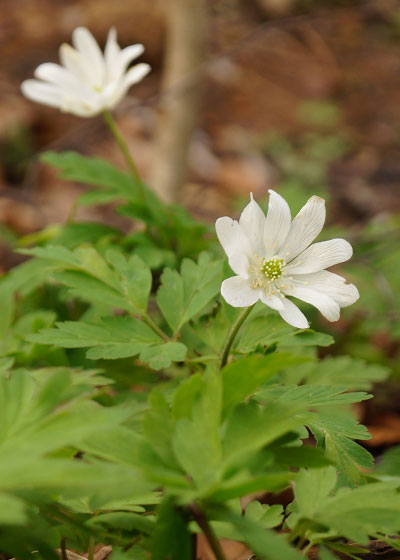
(88, 81)
(273, 258)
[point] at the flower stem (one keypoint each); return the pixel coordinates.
(115, 131)
(147, 319)
(208, 532)
(232, 335)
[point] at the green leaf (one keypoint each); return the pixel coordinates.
(135, 279)
(243, 485)
(182, 296)
(267, 516)
(343, 371)
(336, 433)
(184, 396)
(262, 330)
(360, 512)
(264, 543)
(170, 297)
(171, 539)
(251, 428)
(311, 488)
(162, 355)
(199, 436)
(310, 395)
(243, 377)
(112, 338)
(12, 510)
(93, 171)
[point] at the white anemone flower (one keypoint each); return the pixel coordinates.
(273, 258)
(87, 82)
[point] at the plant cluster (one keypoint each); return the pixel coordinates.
(138, 408)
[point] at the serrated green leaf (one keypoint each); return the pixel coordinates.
(243, 377)
(93, 171)
(112, 338)
(162, 355)
(135, 279)
(182, 296)
(336, 433)
(311, 395)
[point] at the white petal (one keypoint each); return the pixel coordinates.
(87, 46)
(277, 223)
(252, 222)
(130, 53)
(325, 304)
(304, 229)
(332, 285)
(292, 315)
(238, 292)
(320, 256)
(234, 243)
(59, 76)
(112, 56)
(74, 62)
(135, 74)
(272, 301)
(40, 92)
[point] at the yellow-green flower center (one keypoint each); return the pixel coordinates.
(272, 268)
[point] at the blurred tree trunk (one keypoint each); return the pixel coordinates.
(186, 48)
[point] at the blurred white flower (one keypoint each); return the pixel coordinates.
(87, 82)
(273, 258)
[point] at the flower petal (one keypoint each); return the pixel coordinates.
(333, 286)
(238, 292)
(292, 315)
(134, 75)
(87, 46)
(40, 92)
(252, 222)
(112, 56)
(320, 256)
(234, 243)
(274, 302)
(130, 53)
(325, 304)
(73, 61)
(60, 76)
(304, 229)
(277, 223)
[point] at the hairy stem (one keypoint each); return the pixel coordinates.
(209, 534)
(115, 131)
(232, 335)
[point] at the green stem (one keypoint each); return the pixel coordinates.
(91, 548)
(232, 334)
(112, 125)
(208, 532)
(147, 319)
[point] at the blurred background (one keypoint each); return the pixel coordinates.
(245, 95)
